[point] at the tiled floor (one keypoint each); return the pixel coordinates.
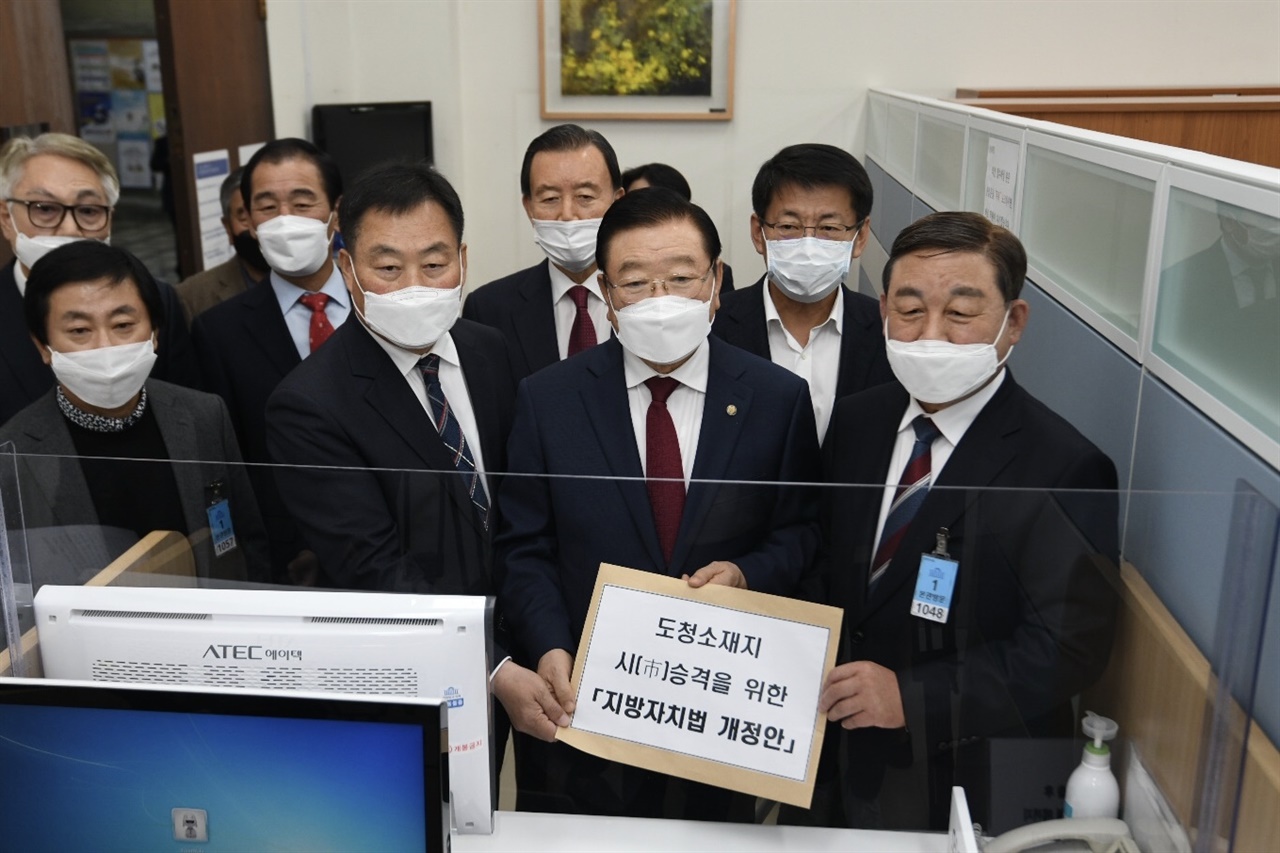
(141, 226)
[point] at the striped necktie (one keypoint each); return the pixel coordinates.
(912, 489)
(451, 434)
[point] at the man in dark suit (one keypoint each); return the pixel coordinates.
(680, 450)
(987, 504)
(812, 215)
(397, 423)
(56, 188)
(251, 342)
(238, 273)
(550, 311)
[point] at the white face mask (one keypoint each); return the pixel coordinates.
(295, 245)
(107, 377)
(31, 249)
(569, 245)
(413, 317)
(663, 329)
(940, 371)
(808, 269)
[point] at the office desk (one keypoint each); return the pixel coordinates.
(536, 831)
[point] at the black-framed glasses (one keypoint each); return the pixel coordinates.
(49, 214)
(825, 231)
(676, 284)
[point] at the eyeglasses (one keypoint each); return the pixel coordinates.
(673, 285)
(825, 231)
(49, 214)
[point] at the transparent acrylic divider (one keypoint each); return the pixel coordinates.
(15, 570)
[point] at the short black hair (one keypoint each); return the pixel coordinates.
(954, 231)
(84, 261)
(809, 166)
(659, 175)
(569, 137)
(653, 206)
(397, 188)
(291, 148)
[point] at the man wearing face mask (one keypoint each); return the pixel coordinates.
(56, 189)
(811, 219)
(415, 404)
(551, 311)
(95, 475)
(251, 342)
(976, 584)
(682, 448)
(235, 275)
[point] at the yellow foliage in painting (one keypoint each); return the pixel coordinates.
(635, 47)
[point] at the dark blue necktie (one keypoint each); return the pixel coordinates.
(912, 489)
(451, 434)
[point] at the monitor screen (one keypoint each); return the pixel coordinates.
(358, 136)
(87, 767)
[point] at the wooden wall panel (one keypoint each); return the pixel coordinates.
(33, 66)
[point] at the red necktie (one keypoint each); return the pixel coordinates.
(664, 473)
(583, 334)
(321, 328)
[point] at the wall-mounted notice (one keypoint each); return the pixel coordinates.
(1002, 179)
(211, 168)
(247, 151)
(717, 685)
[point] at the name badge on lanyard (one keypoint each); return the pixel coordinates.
(935, 583)
(218, 509)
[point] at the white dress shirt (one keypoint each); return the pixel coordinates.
(818, 362)
(566, 311)
(685, 403)
(298, 316)
(953, 422)
(452, 383)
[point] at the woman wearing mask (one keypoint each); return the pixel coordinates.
(95, 471)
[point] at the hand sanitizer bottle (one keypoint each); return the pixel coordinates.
(1092, 790)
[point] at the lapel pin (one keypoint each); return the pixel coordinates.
(731, 409)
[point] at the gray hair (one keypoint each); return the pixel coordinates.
(17, 151)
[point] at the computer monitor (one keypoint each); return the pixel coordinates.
(132, 768)
(358, 136)
(362, 643)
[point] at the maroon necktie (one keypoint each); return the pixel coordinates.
(664, 473)
(913, 488)
(583, 334)
(321, 328)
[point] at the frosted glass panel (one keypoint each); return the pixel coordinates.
(1086, 227)
(1217, 310)
(941, 161)
(877, 121)
(976, 170)
(900, 145)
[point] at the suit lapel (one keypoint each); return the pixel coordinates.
(16, 347)
(477, 370)
(538, 336)
(858, 342)
(178, 429)
(609, 410)
(389, 396)
(59, 479)
(717, 440)
(748, 328)
(267, 330)
(985, 451)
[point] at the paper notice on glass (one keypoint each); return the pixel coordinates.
(717, 685)
(1001, 181)
(211, 168)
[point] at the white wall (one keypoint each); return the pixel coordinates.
(803, 67)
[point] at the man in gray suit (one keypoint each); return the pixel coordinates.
(236, 274)
(109, 455)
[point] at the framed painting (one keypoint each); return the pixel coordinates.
(636, 59)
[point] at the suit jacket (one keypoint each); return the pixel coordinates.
(388, 511)
(215, 285)
(245, 351)
(574, 419)
(1031, 620)
(741, 322)
(24, 377)
(199, 440)
(520, 306)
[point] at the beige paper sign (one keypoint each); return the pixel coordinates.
(717, 685)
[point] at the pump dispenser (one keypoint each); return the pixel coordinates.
(1092, 790)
